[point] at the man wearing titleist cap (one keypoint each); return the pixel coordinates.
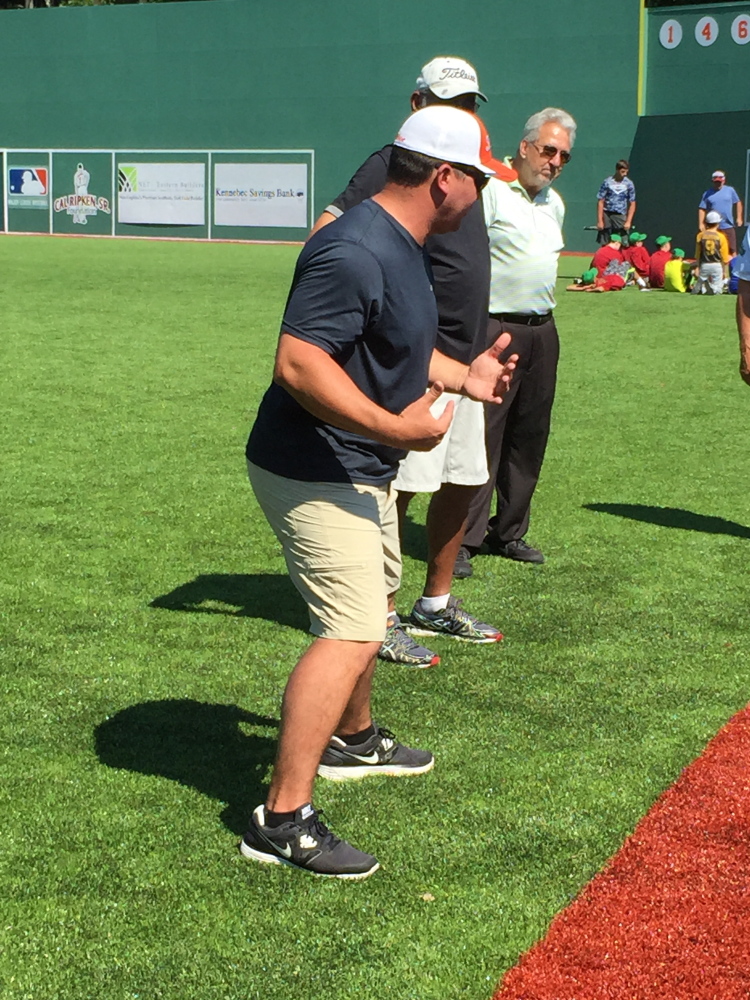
(355, 354)
(524, 221)
(453, 471)
(721, 198)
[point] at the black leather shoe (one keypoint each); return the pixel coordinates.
(463, 567)
(516, 549)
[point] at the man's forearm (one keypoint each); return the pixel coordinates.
(701, 219)
(631, 213)
(740, 213)
(600, 214)
(451, 373)
(323, 388)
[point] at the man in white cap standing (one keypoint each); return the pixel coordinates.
(723, 199)
(355, 356)
(453, 471)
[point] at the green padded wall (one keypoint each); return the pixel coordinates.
(330, 76)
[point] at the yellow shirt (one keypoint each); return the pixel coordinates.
(674, 275)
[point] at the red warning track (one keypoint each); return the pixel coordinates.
(669, 917)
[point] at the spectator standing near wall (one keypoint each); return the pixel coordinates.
(615, 206)
(723, 199)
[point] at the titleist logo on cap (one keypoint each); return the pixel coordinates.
(449, 73)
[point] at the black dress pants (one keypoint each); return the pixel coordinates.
(516, 432)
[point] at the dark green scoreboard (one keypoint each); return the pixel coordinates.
(696, 59)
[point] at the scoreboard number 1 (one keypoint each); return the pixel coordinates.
(741, 29)
(670, 34)
(707, 31)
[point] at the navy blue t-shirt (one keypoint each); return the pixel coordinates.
(362, 293)
(460, 265)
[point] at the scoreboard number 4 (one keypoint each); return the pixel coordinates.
(707, 31)
(741, 29)
(670, 34)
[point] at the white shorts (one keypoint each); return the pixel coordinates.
(460, 458)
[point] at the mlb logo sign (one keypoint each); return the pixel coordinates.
(28, 181)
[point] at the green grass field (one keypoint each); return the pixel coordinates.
(148, 630)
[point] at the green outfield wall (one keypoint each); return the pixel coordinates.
(331, 81)
(330, 77)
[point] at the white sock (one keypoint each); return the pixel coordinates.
(390, 618)
(434, 604)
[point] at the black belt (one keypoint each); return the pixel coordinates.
(523, 319)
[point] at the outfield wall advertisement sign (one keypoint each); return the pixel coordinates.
(261, 194)
(80, 203)
(28, 187)
(161, 194)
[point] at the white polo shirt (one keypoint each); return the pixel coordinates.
(525, 242)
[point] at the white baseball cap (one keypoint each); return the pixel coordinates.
(451, 136)
(718, 175)
(713, 217)
(449, 76)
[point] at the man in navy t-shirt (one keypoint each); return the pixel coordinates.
(349, 397)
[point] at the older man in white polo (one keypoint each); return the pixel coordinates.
(524, 222)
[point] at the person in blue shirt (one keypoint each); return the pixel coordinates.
(615, 205)
(722, 198)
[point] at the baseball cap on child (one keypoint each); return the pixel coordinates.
(451, 136)
(661, 240)
(713, 217)
(449, 76)
(678, 253)
(615, 238)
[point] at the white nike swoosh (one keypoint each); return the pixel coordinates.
(371, 758)
(286, 851)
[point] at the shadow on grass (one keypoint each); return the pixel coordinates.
(672, 517)
(253, 595)
(197, 744)
(414, 542)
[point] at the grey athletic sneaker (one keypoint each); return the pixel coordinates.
(380, 754)
(305, 843)
(398, 647)
(453, 622)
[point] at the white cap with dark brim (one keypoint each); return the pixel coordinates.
(449, 76)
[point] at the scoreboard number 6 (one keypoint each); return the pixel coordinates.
(741, 29)
(707, 30)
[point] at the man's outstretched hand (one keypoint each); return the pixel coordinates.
(488, 378)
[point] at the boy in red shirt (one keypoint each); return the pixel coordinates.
(658, 260)
(637, 255)
(611, 251)
(590, 281)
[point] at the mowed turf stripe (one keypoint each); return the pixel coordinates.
(669, 917)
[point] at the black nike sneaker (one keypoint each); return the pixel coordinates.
(305, 843)
(380, 754)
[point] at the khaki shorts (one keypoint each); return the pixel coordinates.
(341, 547)
(460, 458)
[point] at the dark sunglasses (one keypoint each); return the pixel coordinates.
(480, 179)
(550, 152)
